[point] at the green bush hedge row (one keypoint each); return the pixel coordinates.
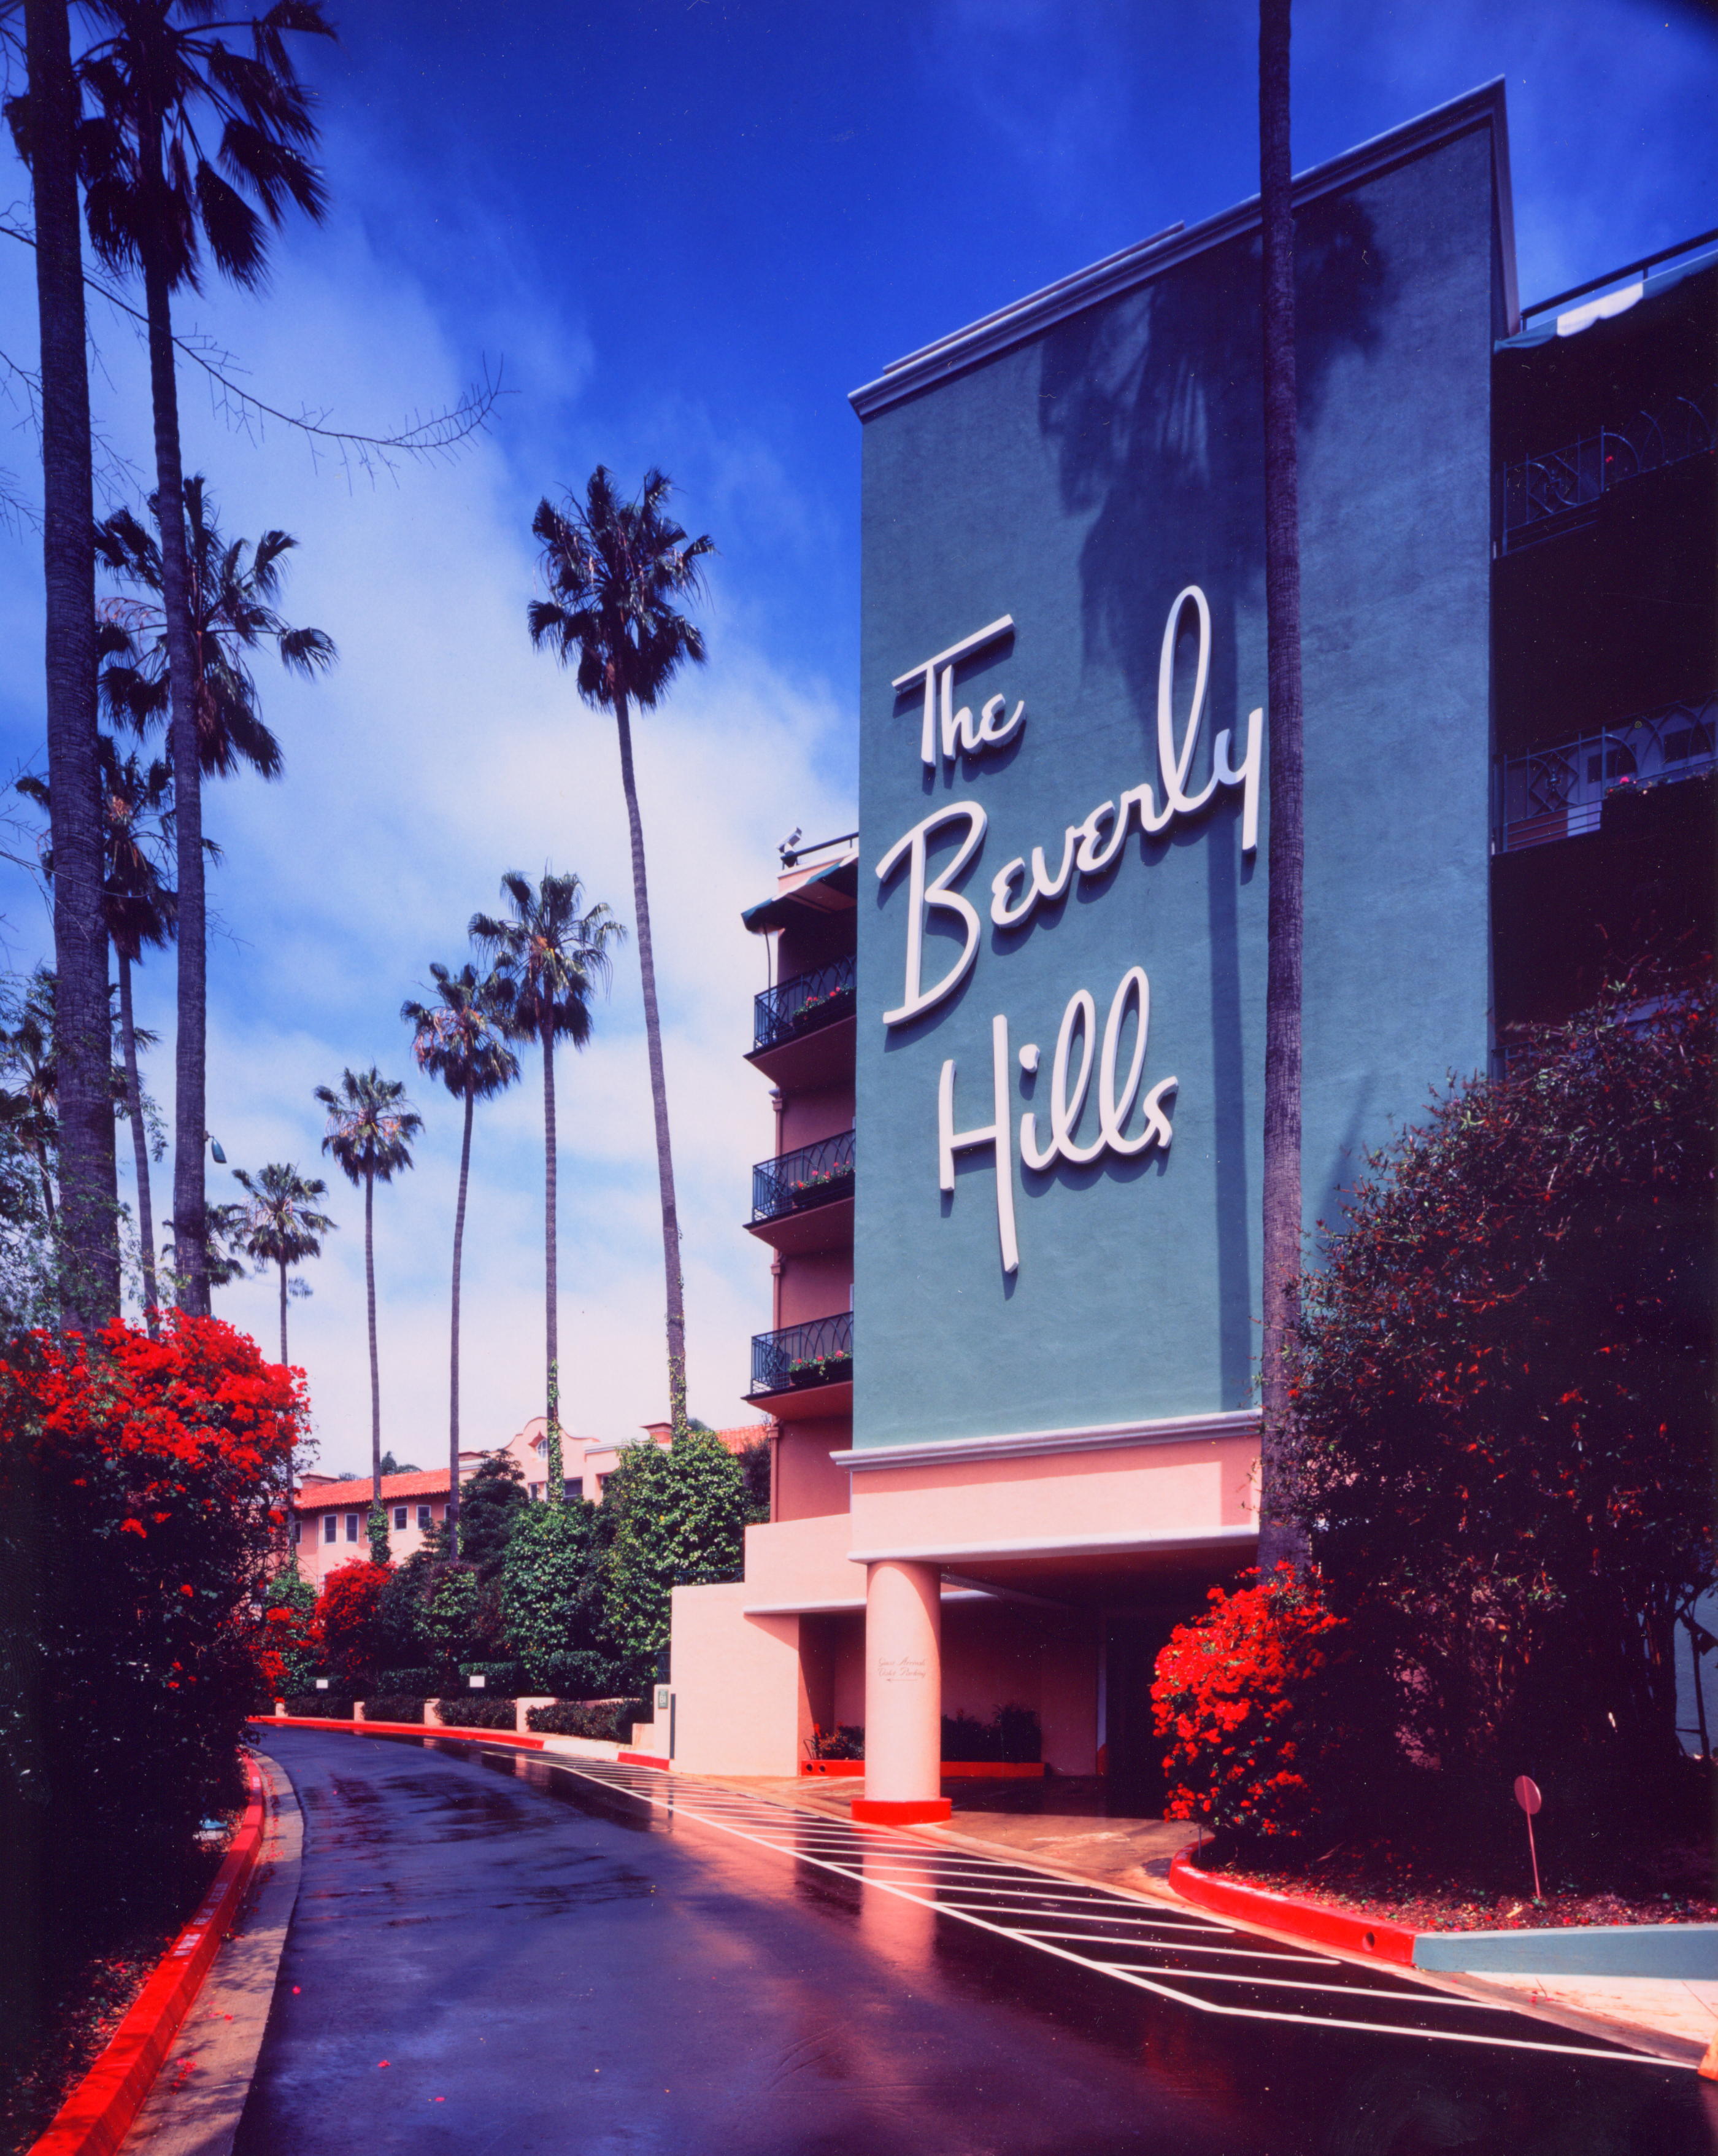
(609, 1719)
(476, 1710)
(393, 1706)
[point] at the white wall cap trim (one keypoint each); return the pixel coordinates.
(1169, 1430)
(856, 1602)
(1214, 1538)
(1134, 265)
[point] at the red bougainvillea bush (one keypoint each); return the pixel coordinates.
(142, 1487)
(346, 1629)
(1238, 1694)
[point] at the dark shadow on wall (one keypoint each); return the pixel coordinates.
(1153, 403)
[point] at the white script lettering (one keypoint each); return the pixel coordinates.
(961, 735)
(925, 898)
(1069, 1091)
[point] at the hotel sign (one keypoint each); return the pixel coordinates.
(1095, 1105)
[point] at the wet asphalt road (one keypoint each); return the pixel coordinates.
(546, 1963)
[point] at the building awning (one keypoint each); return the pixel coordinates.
(832, 889)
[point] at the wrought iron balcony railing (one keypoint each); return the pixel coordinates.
(794, 1181)
(1541, 490)
(1559, 793)
(819, 1353)
(803, 1004)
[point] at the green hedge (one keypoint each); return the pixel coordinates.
(609, 1719)
(505, 1677)
(409, 1684)
(394, 1707)
(477, 1710)
(337, 1704)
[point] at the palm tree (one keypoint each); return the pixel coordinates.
(1282, 1538)
(234, 588)
(45, 124)
(138, 908)
(615, 570)
(370, 1128)
(460, 1039)
(31, 1101)
(281, 1226)
(550, 956)
(163, 81)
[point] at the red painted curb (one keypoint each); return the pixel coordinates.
(396, 1729)
(1312, 1921)
(643, 1759)
(95, 2117)
(885, 1811)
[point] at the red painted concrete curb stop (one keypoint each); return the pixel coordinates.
(97, 2115)
(1312, 1921)
(643, 1759)
(886, 1811)
(398, 1729)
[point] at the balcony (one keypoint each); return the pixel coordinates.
(804, 1370)
(1556, 492)
(1559, 793)
(804, 1030)
(806, 1003)
(803, 1200)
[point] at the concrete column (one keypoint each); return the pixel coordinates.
(903, 1695)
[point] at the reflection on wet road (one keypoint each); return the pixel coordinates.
(566, 1956)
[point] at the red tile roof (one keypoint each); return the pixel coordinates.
(323, 1496)
(747, 1436)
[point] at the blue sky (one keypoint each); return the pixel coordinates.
(686, 231)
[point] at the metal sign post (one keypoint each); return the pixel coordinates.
(1528, 1798)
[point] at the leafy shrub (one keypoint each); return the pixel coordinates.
(491, 1506)
(332, 1704)
(451, 1614)
(846, 1741)
(410, 1684)
(610, 1720)
(476, 1710)
(552, 1600)
(1012, 1735)
(347, 1627)
(578, 1676)
(508, 1677)
(403, 1640)
(1504, 1370)
(286, 1654)
(1238, 1693)
(393, 1706)
(678, 1520)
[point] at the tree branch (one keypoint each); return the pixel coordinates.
(438, 434)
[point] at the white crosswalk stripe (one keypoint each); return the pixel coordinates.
(1177, 1954)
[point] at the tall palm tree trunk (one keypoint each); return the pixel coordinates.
(453, 1351)
(282, 1263)
(658, 1087)
(48, 1205)
(1282, 1537)
(140, 1156)
(375, 1367)
(190, 1105)
(553, 1488)
(90, 1273)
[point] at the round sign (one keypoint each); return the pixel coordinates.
(1527, 1795)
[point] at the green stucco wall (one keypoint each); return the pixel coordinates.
(1078, 481)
